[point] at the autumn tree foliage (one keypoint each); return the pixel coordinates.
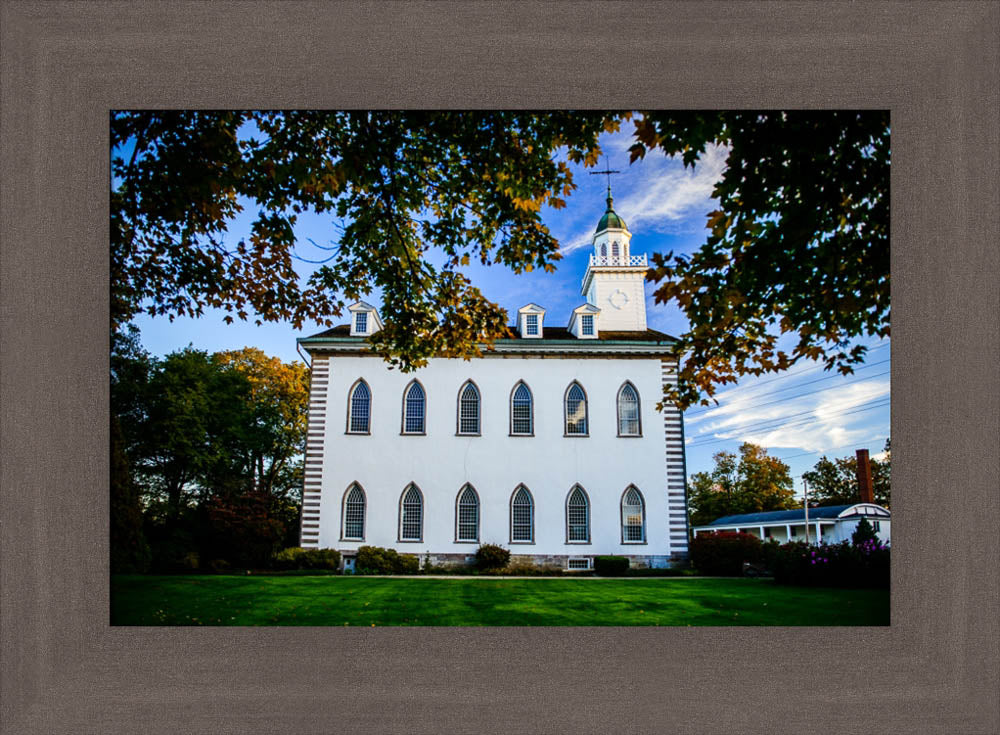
(750, 482)
(208, 456)
(835, 481)
(798, 243)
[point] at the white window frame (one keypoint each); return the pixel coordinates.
(361, 322)
(638, 409)
(531, 515)
(587, 563)
(531, 325)
(402, 513)
(586, 412)
(479, 410)
(343, 512)
(423, 421)
(350, 407)
(642, 515)
(586, 504)
(531, 410)
(467, 487)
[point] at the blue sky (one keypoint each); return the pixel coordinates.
(798, 415)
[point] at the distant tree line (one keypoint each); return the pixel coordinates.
(205, 456)
(755, 482)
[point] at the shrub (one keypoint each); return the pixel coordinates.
(376, 560)
(834, 565)
(219, 565)
(610, 566)
(491, 556)
(864, 532)
(299, 558)
(407, 564)
(722, 553)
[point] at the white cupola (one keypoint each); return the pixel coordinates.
(364, 319)
(614, 279)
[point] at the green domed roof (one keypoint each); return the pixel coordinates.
(611, 219)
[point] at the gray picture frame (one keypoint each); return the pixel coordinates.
(64, 65)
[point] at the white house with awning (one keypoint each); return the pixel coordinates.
(829, 524)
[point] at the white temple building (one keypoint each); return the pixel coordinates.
(550, 445)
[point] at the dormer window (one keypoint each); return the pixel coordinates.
(531, 325)
(587, 325)
(364, 319)
(530, 321)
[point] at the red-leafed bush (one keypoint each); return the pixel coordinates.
(723, 553)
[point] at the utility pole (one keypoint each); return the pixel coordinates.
(805, 504)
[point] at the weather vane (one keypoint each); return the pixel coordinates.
(607, 171)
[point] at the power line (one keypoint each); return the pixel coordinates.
(799, 385)
(801, 422)
(809, 393)
(780, 419)
(789, 376)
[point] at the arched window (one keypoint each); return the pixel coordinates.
(360, 409)
(521, 414)
(411, 514)
(354, 514)
(576, 410)
(522, 516)
(628, 411)
(467, 515)
(468, 409)
(614, 249)
(413, 409)
(604, 250)
(577, 516)
(633, 517)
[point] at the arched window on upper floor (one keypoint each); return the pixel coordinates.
(577, 517)
(576, 410)
(629, 422)
(633, 516)
(411, 514)
(522, 419)
(522, 517)
(604, 250)
(353, 526)
(359, 412)
(614, 249)
(414, 409)
(468, 409)
(467, 515)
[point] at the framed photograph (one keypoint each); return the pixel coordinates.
(67, 668)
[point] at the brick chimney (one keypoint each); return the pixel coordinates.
(865, 490)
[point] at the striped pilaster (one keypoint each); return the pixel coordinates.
(312, 482)
(676, 466)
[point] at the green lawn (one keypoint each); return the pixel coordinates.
(367, 601)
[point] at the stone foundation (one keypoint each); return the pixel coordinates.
(636, 561)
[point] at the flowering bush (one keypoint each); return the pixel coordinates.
(831, 565)
(722, 553)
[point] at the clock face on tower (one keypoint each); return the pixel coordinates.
(618, 299)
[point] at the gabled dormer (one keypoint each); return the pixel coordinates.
(583, 322)
(529, 321)
(364, 319)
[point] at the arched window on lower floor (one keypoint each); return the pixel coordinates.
(354, 514)
(633, 517)
(577, 516)
(522, 516)
(411, 514)
(467, 515)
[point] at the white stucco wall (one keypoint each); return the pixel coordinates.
(548, 463)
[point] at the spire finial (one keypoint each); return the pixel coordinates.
(607, 171)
